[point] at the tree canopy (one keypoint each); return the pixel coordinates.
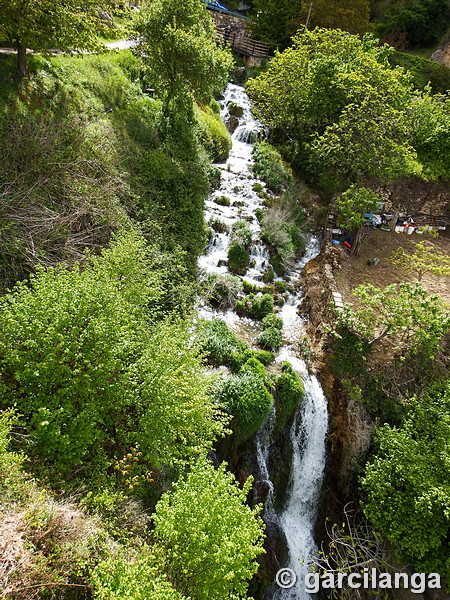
(408, 483)
(44, 24)
(177, 44)
(208, 535)
(425, 259)
(340, 102)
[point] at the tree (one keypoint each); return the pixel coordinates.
(93, 375)
(338, 103)
(403, 315)
(274, 21)
(44, 24)
(351, 207)
(429, 121)
(177, 44)
(407, 483)
(425, 259)
(209, 537)
(349, 15)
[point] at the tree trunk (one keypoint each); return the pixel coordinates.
(357, 241)
(22, 68)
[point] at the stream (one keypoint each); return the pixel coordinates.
(307, 436)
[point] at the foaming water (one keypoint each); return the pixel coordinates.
(310, 425)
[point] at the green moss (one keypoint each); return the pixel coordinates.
(222, 201)
(214, 135)
(270, 338)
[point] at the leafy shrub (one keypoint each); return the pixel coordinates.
(207, 535)
(214, 135)
(283, 237)
(222, 290)
(246, 397)
(270, 167)
(249, 288)
(270, 338)
(238, 258)
(222, 201)
(91, 379)
(242, 234)
(272, 320)
(257, 187)
(256, 306)
(218, 225)
(218, 342)
(260, 213)
(124, 577)
(289, 394)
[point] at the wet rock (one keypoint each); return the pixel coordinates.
(232, 124)
(235, 110)
(223, 262)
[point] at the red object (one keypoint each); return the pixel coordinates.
(347, 245)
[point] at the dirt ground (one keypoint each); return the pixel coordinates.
(381, 244)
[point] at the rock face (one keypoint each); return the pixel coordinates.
(442, 55)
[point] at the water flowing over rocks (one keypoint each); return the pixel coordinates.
(287, 467)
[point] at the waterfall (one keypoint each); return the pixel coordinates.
(310, 424)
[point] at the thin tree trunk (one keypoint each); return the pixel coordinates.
(356, 245)
(22, 68)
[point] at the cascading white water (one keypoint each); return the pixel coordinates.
(311, 421)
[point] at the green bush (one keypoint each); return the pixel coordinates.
(272, 320)
(270, 167)
(222, 201)
(218, 342)
(242, 234)
(256, 306)
(214, 135)
(246, 397)
(270, 338)
(238, 258)
(222, 290)
(87, 373)
(124, 577)
(289, 394)
(207, 536)
(249, 288)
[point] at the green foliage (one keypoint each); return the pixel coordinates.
(270, 167)
(222, 290)
(274, 21)
(218, 342)
(79, 360)
(178, 47)
(340, 103)
(425, 259)
(402, 315)
(289, 394)
(408, 486)
(419, 23)
(272, 320)
(214, 135)
(128, 578)
(423, 71)
(349, 15)
(238, 258)
(352, 205)
(246, 397)
(42, 24)
(257, 306)
(280, 231)
(242, 234)
(11, 463)
(429, 118)
(209, 537)
(270, 338)
(222, 201)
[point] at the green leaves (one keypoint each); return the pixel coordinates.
(208, 536)
(408, 483)
(352, 205)
(403, 315)
(92, 378)
(178, 47)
